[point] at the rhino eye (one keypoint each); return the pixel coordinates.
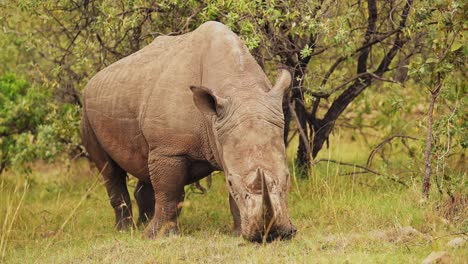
(222, 109)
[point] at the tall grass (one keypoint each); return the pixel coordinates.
(13, 202)
(62, 214)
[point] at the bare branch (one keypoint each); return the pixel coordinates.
(397, 44)
(343, 58)
(300, 128)
(381, 144)
(427, 152)
(360, 167)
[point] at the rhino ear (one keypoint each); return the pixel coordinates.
(206, 101)
(283, 82)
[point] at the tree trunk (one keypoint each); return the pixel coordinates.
(323, 127)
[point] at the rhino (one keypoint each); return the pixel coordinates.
(175, 111)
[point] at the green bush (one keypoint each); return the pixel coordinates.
(32, 125)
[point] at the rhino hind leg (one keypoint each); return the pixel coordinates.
(115, 181)
(116, 186)
(168, 178)
(115, 178)
(144, 196)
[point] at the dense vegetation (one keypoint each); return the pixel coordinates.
(386, 76)
(32, 125)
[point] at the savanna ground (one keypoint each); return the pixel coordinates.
(60, 214)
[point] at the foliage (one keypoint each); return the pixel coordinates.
(440, 69)
(359, 65)
(82, 37)
(31, 125)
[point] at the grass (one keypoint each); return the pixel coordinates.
(60, 214)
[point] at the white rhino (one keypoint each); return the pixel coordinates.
(179, 109)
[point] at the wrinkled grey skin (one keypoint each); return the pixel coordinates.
(177, 110)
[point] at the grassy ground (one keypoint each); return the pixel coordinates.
(60, 214)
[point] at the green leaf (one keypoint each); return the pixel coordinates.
(456, 46)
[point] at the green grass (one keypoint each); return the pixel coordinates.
(60, 214)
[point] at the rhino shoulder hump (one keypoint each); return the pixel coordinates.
(215, 26)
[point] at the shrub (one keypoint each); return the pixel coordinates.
(32, 125)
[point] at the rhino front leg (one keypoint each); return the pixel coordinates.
(144, 196)
(168, 177)
(235, 215)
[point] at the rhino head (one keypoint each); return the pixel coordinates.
(248, 134)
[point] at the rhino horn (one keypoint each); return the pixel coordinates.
(283, 82)
(268, 209)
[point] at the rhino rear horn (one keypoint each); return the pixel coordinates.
(283, 82)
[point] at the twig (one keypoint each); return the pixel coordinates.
(339, 87)
(464, 233)
(381, 144)
(343, 85)
(343, 58)
(292, 136)
(360, 167)
(301, 129)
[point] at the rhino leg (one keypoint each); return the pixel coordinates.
(144, 196)
(235, 215)
(115, 180)
(116, 186)
(168, 177)
(115, 177)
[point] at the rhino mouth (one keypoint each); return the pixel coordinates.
(265, 220)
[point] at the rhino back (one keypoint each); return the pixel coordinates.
(144, 92)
